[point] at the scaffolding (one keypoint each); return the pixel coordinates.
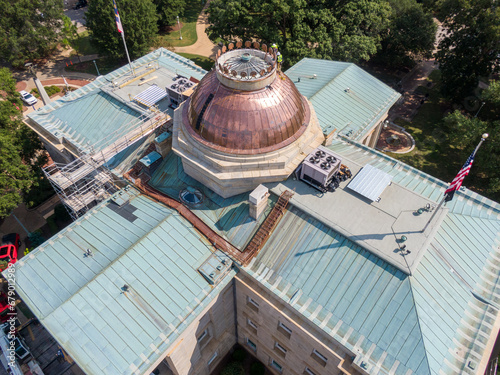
(86, 181)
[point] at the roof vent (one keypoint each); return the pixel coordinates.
(191, 196)
(215, 267)
(246, 57)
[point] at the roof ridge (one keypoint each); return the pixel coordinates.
(333, 79)
(100, 207)
(410, 279)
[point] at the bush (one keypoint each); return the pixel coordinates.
(239, 355)
(52, 224)
(257, 368)
(61, 213)
(233, 368)
(50, 90)
(36, 239)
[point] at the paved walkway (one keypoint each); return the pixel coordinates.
(203, 45)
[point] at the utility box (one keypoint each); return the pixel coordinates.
(258, 201)
(163, 143)
(150, 162)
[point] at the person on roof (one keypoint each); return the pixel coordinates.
(280, 59)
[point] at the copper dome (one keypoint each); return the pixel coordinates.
(245, 121)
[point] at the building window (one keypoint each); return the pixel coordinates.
(251, 344)
(212, 358)
(276, 365)
(280, 349)
(253, 304)
(287, 332)
(252, 326)
(320, 358)
(203, 338)
(308, 371)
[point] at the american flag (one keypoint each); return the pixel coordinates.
(117, 18)
(457, 181)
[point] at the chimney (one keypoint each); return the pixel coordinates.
(258, 201)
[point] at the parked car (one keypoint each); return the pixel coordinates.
(8, 250)
(80, 4)
(28, 98)
(12, 239)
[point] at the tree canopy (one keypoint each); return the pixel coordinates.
(471, 48)
(138, 18)
(29, 29)
(465, 132)
(168, 10)
(345, 30)
(411, 34)
(20, 157)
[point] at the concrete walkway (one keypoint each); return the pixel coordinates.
(203, 45)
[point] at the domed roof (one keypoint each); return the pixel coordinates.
(246, 113)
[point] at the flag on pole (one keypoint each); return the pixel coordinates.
(457, 181)
(117, 18)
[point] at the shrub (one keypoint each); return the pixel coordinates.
(36, 239)
(233, 368)
(257, 368)
(239, 355)
(50, 90)
(61, 213)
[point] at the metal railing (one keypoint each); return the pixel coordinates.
(86, 180)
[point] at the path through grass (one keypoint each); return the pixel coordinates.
(188, 30)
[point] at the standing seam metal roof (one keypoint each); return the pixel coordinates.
(88, 115)
(344, 96)
(81, 300)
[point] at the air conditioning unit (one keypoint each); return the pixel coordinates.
(319, 167)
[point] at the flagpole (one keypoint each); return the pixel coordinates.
(483, 138)
(126, 51)
(119, 26)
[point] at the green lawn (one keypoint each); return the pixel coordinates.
(82, 45)
(188, 30)
(205, 62)
(433, 153)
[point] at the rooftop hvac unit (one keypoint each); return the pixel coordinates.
(320, 167)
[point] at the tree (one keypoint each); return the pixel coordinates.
(69, 31)
(138, 18)
(465, 132)
(492, 94)
(410, 36)
(346, 30)
(168, 10)
(29, 29)
(15, 177)
(471, 48)
(20, 156)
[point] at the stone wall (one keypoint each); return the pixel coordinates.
(279, 337)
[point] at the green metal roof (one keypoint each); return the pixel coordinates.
(345, 97)
(82, 300)
(89, 115)
(359, 299)
(230, 217)
(396, 323)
